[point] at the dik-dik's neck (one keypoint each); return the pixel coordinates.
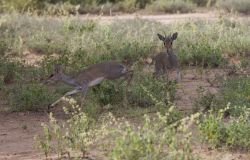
(68, 80)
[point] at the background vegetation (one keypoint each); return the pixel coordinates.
(66, 7)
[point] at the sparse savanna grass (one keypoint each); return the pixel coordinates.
(199, 43)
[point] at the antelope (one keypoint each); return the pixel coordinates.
(167, 59)
(90, 76)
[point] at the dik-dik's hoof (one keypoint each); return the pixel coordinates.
(49, 107)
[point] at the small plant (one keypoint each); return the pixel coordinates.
(75, 136)
(44, 142)
(211, 128)
(205, 101)
(57, 133)
(24, 127)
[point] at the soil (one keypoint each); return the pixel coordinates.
(17, 130)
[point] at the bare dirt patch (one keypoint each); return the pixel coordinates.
(17, 131)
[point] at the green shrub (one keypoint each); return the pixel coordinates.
(233, 133)
(20, 5)
(171, 6)
(60, 9)
(236, 91)
(238, 133)
(212, 128)
(30, 97)
(10, 69)
(151, 91)
(207, 3)
(121, 139)
(205, 102)
(241, 6)
(151, 140)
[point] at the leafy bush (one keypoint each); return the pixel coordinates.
(145, 142)
(207, 3)
(60, 9)
(205, 102)
(151, 91)
(20, 5)
(236, 91)
(233, 132)
(237, 132)
(10, 70)
(212, 128)
(241, 6)
(171, 6)
(66, 7)
(30, 97)
(121, 139)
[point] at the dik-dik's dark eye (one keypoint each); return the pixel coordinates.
(51, 75)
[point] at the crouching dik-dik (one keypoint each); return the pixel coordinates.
(90, 76)
(167, 60)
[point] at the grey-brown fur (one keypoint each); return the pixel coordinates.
(90, 76)
(167, 60)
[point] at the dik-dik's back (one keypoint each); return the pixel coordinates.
(167, 60)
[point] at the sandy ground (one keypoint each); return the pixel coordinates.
(17, 130)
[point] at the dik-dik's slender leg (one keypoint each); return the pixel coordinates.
(84, 92)
(128, 77)
(66, 94)
(158, 69)
(178, 75)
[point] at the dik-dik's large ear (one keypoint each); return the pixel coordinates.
(161, 37)
(174, 36)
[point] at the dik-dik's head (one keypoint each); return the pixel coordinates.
(57, 75)
(168, 40)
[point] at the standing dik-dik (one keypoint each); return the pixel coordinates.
(167, 60)
(91, 76)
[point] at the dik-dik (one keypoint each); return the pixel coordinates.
(90, 76)
(167, 60)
